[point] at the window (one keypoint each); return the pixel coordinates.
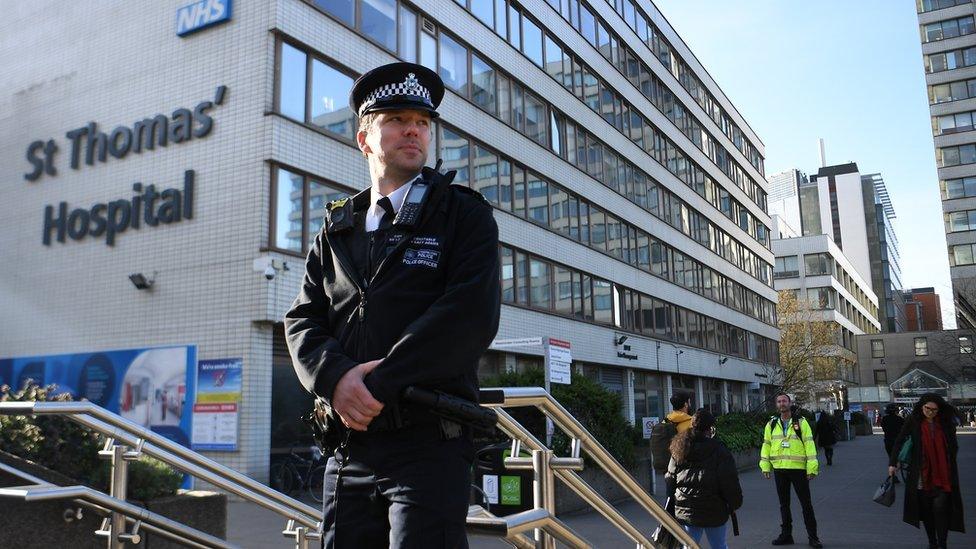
(817, 264)
(958, 188)
(291, 83)
(454, 152)
(787, 267)
(408, 35)
(965, 344)
(538, 199)
(482, 84)
(508, 275)
(554, 59)
(877, 348)
(330, 100)
(931, 5)
(288, 211)
(880, 377)
(535, 119)
(485, 11)
(564, 298)
(378, 21)
(921, 346)
(541, 288)
(486, 173)
(342, 9)
(961, 254)
(453, 65)
(602, 301)
(299, 208)
(532, 42)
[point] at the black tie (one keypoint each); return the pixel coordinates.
(387, 220)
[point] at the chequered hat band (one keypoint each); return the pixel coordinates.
(409, 87)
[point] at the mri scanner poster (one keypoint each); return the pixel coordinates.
(151, 387)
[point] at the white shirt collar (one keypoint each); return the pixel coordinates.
(375, 212)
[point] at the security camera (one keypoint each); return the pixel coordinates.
(723, 360)
(620, 340)
(270, 272)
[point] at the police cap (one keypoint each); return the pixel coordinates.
(397, 86)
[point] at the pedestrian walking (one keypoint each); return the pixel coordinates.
(825, 435)
(401, 289)
(703, 481)
(932, 482)
(678, 421)
(788, 454)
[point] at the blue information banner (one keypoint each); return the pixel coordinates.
(154, 387)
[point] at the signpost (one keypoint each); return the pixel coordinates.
(557, 358)
(647, 424)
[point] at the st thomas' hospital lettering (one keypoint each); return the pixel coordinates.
(148, 205)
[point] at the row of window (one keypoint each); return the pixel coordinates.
(963, 187)
(471, 76)
(474, 78)
(823, 264)
(540, 284)
(299, 72)
(827, 298)
(300, 207)
(955, 156)
(932, 5)
(514, 188)
(586, 84)
(642, 25)
(953, 123)
(950, 28)
(961, 254)
(960, 221)
(952, 91)
(949, 60)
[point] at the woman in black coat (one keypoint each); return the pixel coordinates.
(825, 436)
(703, 481)
(932, 484)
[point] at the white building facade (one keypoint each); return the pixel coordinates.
(629, 192)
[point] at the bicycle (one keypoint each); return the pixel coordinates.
(308, 472)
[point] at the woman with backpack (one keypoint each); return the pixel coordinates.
(932, 481)
(703, 481)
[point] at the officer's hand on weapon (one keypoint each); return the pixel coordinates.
(352, 400)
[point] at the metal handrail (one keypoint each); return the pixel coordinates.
(101, 511)
(301, 517)
(141, 516)
(538, 397)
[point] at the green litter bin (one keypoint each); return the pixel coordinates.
(505, 491)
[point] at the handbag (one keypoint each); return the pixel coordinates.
(905, 454)
(662, 537)
(885, 494)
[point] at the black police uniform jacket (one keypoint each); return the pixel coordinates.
(430, 310)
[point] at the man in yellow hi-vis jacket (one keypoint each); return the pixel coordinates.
(789, 453)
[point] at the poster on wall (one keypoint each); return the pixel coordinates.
(149, 386)
(215, 412)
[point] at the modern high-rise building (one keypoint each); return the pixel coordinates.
(169, 200)
(948, 35)
(856, 212)
(883, 252)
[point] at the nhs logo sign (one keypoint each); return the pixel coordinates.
(200, 15)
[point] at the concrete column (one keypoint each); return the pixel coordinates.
(699, 394)
(629, 395)
(725, 395)
(668, 391)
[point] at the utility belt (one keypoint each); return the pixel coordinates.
(418, 408)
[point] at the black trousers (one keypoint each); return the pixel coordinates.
(797, 478)
(404, 489)
(933, 509)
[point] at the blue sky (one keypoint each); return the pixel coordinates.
(848, 72)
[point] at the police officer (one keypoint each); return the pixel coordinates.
(401, 289)
(788, 452)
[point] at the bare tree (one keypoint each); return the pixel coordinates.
(809, 350)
